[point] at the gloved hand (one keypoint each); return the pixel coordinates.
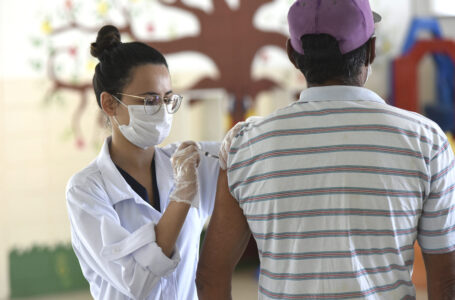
(227, 141)
(184, 164)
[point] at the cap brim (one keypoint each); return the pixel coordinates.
(377, 17)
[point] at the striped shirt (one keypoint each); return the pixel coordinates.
(336, 188)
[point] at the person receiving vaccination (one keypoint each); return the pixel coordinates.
(337, 187)
(137, 210)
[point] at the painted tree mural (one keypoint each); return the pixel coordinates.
(230, 39)
(227, 36)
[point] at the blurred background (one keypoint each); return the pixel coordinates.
(226, 58)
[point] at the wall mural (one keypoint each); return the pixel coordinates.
(228, 34)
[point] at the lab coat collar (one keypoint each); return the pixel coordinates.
(339, 93)
(119, 190)
(116, 186)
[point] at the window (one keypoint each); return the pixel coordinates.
(444, 7)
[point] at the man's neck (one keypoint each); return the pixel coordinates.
(333, 82)
(359, 81)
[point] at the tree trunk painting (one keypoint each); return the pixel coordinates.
(230, 39)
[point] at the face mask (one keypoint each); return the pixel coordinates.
(145, 130)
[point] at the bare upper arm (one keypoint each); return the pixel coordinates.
(440, 269)
(227, 236)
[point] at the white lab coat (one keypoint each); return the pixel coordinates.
(113, 230)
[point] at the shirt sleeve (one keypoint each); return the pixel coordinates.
(437, 224)
(131, 262)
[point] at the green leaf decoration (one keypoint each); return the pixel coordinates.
(36, 42)
(67, 134)
(36, 65)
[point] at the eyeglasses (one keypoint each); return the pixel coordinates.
(152, 103)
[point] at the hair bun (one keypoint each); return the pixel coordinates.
(108, 38)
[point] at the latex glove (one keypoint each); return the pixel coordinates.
(227, 141)
(184, 165)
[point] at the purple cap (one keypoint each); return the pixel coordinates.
(350, 22)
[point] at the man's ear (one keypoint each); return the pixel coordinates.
(108, 103)
(372, 51)
(290, 52)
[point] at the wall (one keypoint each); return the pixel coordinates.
(37, 161)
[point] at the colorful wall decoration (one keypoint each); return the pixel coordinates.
(225, 34)
(405, 72)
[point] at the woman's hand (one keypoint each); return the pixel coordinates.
(184, 164)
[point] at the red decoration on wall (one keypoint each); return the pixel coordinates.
(72, 51)
(69, 4)
(406, 70)
(150, 28)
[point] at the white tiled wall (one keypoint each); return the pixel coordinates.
(36, 162)
(4, 283)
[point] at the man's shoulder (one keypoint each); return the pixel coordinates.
(268, 121)
(416, 120)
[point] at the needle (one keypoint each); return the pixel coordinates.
(211, 155)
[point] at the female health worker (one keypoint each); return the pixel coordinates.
(137, 210)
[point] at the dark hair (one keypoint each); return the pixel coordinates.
(117, 60)
(322, 60)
